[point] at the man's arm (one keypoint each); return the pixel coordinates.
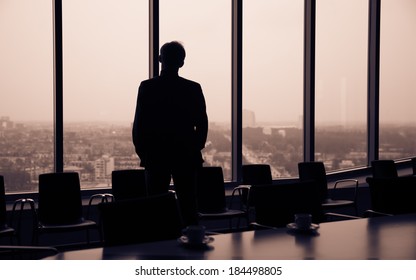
(201, 127)
(137, 131)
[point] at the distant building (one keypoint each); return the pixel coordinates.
(103, 167)
(5, 123)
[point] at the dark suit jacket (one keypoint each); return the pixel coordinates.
(171, 123)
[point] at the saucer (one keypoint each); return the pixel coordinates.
(185, 241)
(311, 228)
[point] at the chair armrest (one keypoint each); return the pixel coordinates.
(22, 203)
(103, 197)
(355, 181)
(240, 188)
(239, 191)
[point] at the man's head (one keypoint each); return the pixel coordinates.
(172, 55)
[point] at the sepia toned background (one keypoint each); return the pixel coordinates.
(105, 47)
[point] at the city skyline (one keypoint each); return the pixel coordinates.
(94, 150)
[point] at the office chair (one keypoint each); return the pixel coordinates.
(60, 206)
(144, 219)
(211, 197)
(393, 196)
(125, 184)
(128, 184)
(316, 171)
(275, 205)
(252, 174)
(384, 168)
(256, 174)
(5, 229)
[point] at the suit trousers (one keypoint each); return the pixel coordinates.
(184, 180)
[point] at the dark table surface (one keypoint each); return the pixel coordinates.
(387, 238)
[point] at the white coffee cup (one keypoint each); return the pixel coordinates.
(303, 220)
(194, 233)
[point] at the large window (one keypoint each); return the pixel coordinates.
(272, 84)
(26, 90)
(397, 79)
(105, 57)
(341, 83)
(204, 28)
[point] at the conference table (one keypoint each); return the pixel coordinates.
(387, 238)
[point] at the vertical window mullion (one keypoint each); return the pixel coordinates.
(58, 87)
(373, 79)
(237, 54)
(153, 38)
(309, 81)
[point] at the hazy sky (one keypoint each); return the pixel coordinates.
(106, 57)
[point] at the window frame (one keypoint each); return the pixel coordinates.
(373, 80)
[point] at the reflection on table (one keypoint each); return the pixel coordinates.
(374, 238)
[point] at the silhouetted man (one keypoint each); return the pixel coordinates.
(170, 129)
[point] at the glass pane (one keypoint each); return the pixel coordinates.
(26, 90)
(105, 58)
(204, 28)
(341, 83)
(397, 79)
(273, 84)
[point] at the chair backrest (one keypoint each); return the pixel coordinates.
(314, 170)
(144, 219)
(59, 198)
(275, 205)
(128, 183)
(211, 190)
(3, 217)
(393, 195)
(255, 174)
(384, 168)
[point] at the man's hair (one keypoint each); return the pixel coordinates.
(172, 54)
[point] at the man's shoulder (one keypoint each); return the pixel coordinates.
(149, 81)
(189, 82)
(160, 81)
